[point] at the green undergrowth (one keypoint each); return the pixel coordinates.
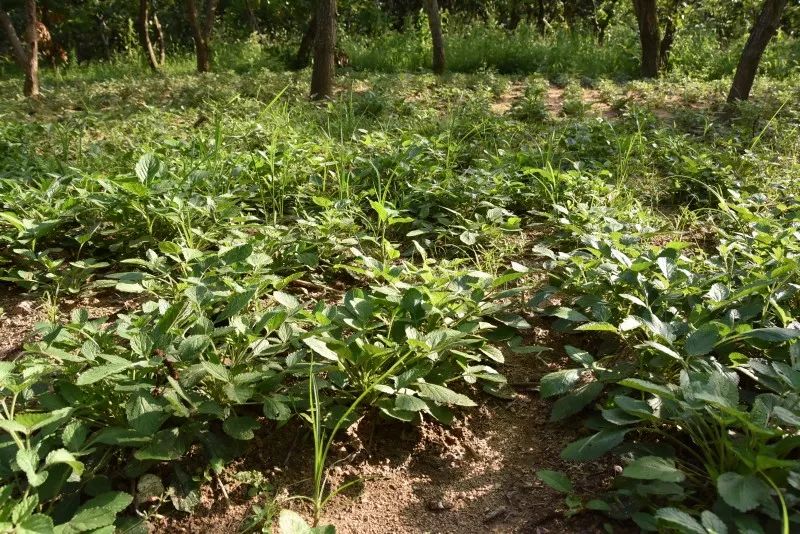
(387, 251)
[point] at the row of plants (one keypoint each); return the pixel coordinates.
(98, 404)
(690, 363)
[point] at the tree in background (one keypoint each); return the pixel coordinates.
(435, 24)
(26, 55)
(143, 29)
(201, 32)
(303, 57)
(324, 50)
(765, 27)
(649, 36)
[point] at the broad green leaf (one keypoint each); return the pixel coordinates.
(712, 523)
(443, 395)
(236, 304)
(654, 468)
(702, 340)
(319, 346)
(35, 524)
(95, 374)
(100, 511)
(240, 427)
(28, 461)
(743, 492)
(680, 521)
(567, 313)
(555, 479)
(559, 382)
(575, 401)
(594, 446)
(63, 456)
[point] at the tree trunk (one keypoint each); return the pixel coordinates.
(303, 57)
(26, 55)
(647, 19)
(162, 46)
(144, 34)
(251, 16)
(541, 21)
(763, 30)
(603, 22)
(324, 51)
(435, 24)
(666, 43)
(17, 48)
(201, 32)
(32, 65)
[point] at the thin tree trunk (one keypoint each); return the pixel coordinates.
(765, 27)
(17, 48)
(647, 19)
(603, 23)
(144, 34)
(251, 16)
(666, 43)
(324, 51)
(435, 24)
(162, 46)
(540, 18)
(303, 57)
(201, 33)
(32, 65)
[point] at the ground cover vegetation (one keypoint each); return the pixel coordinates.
(383, 249)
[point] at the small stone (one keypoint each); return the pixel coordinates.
(438, 505)
(494, 514)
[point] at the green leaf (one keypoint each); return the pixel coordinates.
(594, 446)
(559, 382)
(743, 492)
(597, 327)
(218, 371)
(276, 410)
(443, 395)
(712, 523)
(654, 468)
(680, 521)
(236, 304)
(556, 480)
(28, 461)
(319, 346)
(240, 427)
(147, 168)
(775, 335)
(237, 254)
(95, 374)
(702, 340)
(575, 401)
(286, 300)
(100, 511)
(408, 403)
(63, 456)
(567, 313)
(35, 524)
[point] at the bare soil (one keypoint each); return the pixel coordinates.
(477, 475)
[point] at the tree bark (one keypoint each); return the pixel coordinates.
(647, 19)
(144, 34)
(303, 57)
(435, 24)
(26, 55)
(32, 66)
(252, 19)
(666, 43)
(324, 51)
(17, 48)
(162, 46)
(201, 32)
(764, 29)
